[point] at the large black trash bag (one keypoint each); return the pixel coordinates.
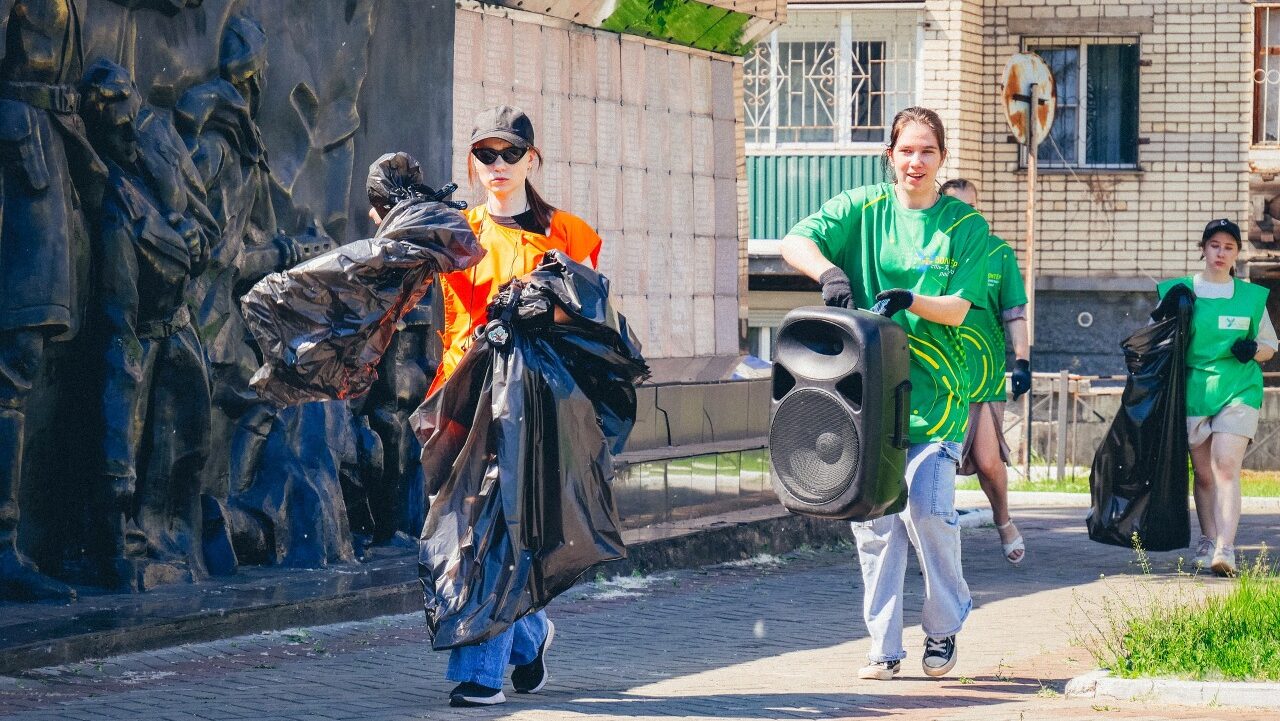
(518, 449)
(324, 324)
(1139, 479)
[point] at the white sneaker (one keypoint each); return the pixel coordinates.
(880, 670)
(1204, 552)
(1224, 561)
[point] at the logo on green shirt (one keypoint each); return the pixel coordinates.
(1233, 322)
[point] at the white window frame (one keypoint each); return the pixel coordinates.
(1081, 45)
(846, 36)
(1268, 96)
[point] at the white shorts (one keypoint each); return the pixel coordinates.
(1236, 419)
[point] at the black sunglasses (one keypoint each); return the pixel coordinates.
(510, 155)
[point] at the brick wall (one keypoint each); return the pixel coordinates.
(1194, 101)
(644, 142)
(952, 82)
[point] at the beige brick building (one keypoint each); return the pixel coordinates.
(1155, 135)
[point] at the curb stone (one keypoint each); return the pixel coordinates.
(387, 587)
(1101, 684)
(975, 517)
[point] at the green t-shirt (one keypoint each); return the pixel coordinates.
(938, 251)
(1215, 379)
(983, 331)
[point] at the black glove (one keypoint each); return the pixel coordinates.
(836, 291)
(1169, 303)
(1021, 377)
(1244, 350)
(894, 300)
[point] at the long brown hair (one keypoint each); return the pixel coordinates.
(542, 210)
(915, 114)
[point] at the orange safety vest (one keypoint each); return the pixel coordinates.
(509, 253)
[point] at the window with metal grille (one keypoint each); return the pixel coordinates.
(1096, 123)
(830, 79)
(1266, 75)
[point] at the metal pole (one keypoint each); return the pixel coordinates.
(1064, 403)
(1031, 262)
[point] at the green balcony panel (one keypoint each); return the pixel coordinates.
(786, 188)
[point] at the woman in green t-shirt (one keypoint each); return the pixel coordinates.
(925, 254)
(1230, 335)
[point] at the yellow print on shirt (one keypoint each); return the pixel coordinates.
(940, 264)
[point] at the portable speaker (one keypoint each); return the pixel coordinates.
(840, 413)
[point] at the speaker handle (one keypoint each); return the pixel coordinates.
(901, 415)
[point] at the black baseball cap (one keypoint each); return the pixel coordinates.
(506, 123)
(1221, 225)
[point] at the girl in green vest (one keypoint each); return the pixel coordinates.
(1230, 335)
(925, 254)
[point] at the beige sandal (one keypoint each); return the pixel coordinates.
(1013, 546)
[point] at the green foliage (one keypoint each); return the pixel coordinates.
(1232, 636)
(684, 22)
(1252, 484)
(1260, 483)
(1070, 484)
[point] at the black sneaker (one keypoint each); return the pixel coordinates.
(880, 670)
(531, 677)
(469, 694)
(939, 655)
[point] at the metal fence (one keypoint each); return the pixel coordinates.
(1072, 413)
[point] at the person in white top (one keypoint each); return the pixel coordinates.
(1231, 334)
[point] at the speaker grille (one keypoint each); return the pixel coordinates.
(814, 446)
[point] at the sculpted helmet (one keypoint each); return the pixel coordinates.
(242, 59)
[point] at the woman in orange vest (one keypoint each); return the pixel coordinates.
(515, 226)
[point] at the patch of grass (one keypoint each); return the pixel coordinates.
(1252, 483)
(1260, 483)
(1070, 484)
(1233, 636)
(1048, 692)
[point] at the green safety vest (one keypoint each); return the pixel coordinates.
(1215, 379)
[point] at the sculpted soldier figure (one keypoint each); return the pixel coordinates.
(216, 120)
(153, 235)
(50, 176)
(48, 172)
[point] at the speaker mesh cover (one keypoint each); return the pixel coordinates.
(814, 446)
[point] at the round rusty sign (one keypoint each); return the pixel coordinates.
(1028, 81)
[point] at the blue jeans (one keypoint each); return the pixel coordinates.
(486, 663)
(930, 522)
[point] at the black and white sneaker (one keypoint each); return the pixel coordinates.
(468, 694)
(531, 677)
(939, 655)
(880, 670)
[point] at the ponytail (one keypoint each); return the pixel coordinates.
(542, 210)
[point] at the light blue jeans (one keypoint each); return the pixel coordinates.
(931, 524)
(486, 663)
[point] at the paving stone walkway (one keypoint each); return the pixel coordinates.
(775, 638)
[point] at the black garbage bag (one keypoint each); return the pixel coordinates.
(518, 449)
(1139, 479)
(324, 324)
